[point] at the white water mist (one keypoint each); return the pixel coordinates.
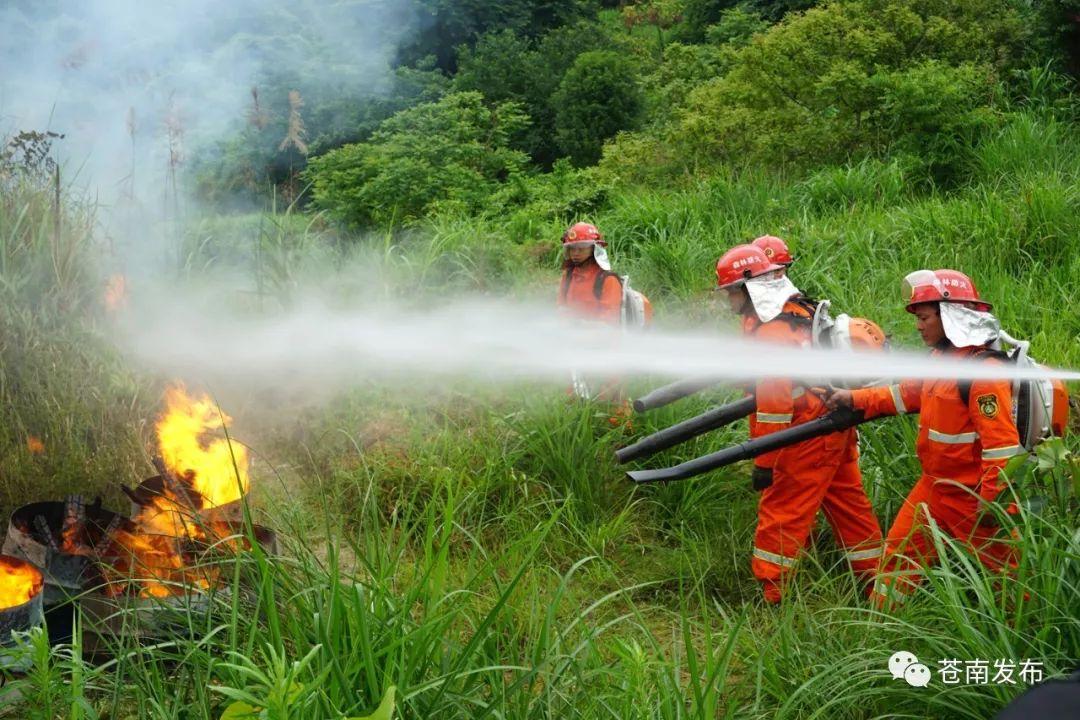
(488, 339)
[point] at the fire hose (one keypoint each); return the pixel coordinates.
(836, 421)
(668, 394)
(687, 429)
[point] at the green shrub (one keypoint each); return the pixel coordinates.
(450, 153)
(504, 66)
(597, 98)
(857, 77)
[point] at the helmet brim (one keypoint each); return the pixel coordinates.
(772, 267)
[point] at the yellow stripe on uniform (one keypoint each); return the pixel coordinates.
(774, 417)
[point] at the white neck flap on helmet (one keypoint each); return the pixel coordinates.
(769, 293)
(968, 327)
(599, 253)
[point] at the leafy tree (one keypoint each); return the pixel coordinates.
(843, 80)
(444, 25)
(507, 67)
(660, 14)
(244, 166)
(597, 98)
(454, 152)
(699, 15)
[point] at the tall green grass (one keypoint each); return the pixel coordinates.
(477, 548)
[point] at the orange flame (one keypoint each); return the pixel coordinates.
(19, 581)
(217, 469)
(34, 445)
(157, 554)
(115, 292)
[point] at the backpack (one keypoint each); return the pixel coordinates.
(1040, 408)
(825, 330)
(636, 310)
(844, 333)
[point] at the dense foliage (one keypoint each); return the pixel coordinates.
(669, 90)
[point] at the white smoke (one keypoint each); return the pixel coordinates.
(137, 88)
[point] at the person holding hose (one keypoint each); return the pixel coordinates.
(798, 480)
(966, 435)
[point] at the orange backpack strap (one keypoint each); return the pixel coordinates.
(800, 321)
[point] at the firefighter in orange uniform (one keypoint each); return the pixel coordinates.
(966, 435)
(588, 288)
(796, 481)
(590, 291)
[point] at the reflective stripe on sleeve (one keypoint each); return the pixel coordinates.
(951, 439)
(774, 558)
(774, 417)
(898, 399)
(1002, 453)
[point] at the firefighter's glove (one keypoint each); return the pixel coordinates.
(761, 478)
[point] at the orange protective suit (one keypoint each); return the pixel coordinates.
(578, 298)
(962, 448)
(577, 293)
(821, 473)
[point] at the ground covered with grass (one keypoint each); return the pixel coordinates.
(475, 545)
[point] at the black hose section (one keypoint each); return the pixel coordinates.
(686, 430)
(836, 421)
(668, 394)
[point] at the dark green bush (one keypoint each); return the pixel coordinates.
(597, 98)
(454, 152)
(857, 77)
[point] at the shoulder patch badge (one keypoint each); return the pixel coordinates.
(988, 405)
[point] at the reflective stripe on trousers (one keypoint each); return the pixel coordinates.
(774, 417)
(868, 554)
(889, 591)
(775, 559)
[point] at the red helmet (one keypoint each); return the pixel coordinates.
(923, 286)
(583, 232)
(775, 249)
(741, 263)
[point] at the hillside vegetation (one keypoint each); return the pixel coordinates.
(475, 546)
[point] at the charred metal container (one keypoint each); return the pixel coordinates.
(60, 538)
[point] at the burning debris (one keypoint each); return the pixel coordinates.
(20, 582)
(181, 521)
(20, 603)
(186, 508)
(34, 445)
